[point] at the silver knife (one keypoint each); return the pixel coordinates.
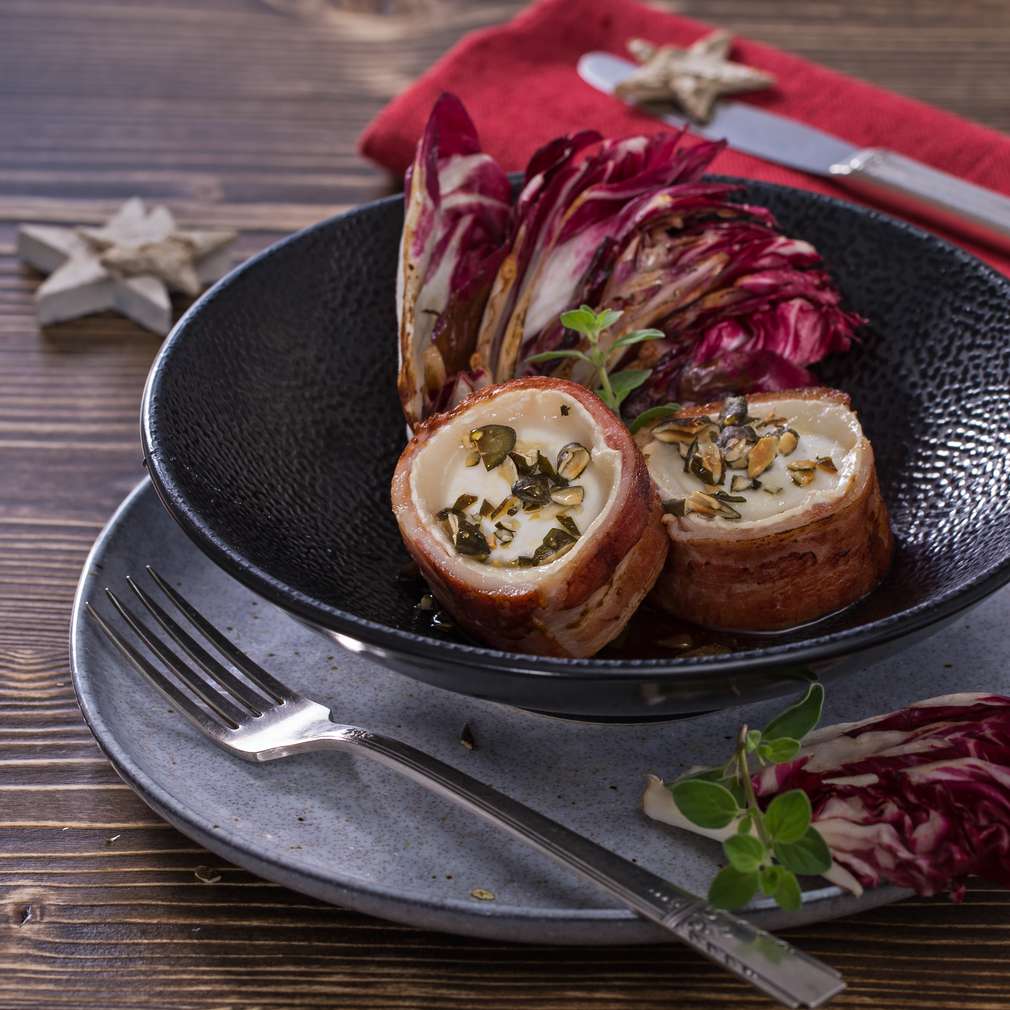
(884, 176)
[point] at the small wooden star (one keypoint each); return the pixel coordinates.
(129, 264)
(693, 78)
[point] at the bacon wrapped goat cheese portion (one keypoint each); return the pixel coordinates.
(773, 510)
(529, 510)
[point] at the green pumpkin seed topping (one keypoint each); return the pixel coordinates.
(493, 442)
(727, 456)
(541, 490)
(572, 460)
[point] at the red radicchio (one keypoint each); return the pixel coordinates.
(919, 798)
(454, 237)
(624, 224)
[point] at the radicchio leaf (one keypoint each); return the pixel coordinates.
(919, 798)
(627, 224)
(455, 229)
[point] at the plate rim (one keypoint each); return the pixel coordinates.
(591, 926)
(385, 639)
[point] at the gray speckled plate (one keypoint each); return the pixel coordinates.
(353, 833)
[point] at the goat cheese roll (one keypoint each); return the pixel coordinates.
(530, 512)
(772, 507)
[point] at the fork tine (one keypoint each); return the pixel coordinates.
(217, 701)
(273, 687)
(256, 704)
(154, 676)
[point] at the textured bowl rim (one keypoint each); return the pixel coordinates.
(387, 639)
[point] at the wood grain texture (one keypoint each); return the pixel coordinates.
(244, 113)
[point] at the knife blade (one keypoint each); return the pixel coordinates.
(879, 174)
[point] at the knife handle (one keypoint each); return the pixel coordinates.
(916, 189)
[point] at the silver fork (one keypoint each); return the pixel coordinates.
(261, 719)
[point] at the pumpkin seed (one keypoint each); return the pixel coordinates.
(503, 534)
(762, 455)
(543, 465)
(469, 539)
(827, 464)
(802, 464)
(569, 497)
(452, 524)
(734, 411)
(728, 512)
(472, 458)
(741, 483)
(486, 509)
(568, 523)
(682, 429)
(572, 460)
(523, 466)
(702, 504)
(494, 442)
(801, 478)
(463, 502)
(557, 542)
(533, 491)
(735, 443)
(707, 464)
(788, 441)
(509, 506)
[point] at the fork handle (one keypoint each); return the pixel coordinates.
(765, 961)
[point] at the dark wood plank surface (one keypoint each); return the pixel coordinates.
(245, 114)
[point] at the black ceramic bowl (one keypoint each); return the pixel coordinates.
(271, 428)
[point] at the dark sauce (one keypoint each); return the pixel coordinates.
(653, 634)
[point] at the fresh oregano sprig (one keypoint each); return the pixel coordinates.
(770, 847)
(613, 388)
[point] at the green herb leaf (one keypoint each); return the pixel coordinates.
(745, 852)
(807, 856)
(788, 816)
(637, 337)
(707, 804)
(555, 355)
(626, 382)
(589, 323)
(770, 877)
(753, 739)
(796, 722)
(708, 775)
(774, 752)
(653, 414)
(731, 889)
(745, 825)
(788, 893)
(735, 786)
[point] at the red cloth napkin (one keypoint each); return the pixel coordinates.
(519, 83)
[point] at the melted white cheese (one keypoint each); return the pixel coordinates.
(441, 475)
(825, 428)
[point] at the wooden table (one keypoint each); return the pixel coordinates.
(245, 114)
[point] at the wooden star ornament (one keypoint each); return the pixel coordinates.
(693, 78)
(130, 264)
